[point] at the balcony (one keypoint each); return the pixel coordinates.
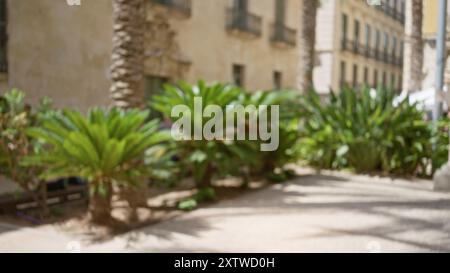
(352, 46)
(347, 44)
(392, 12)
(244, 22)
(371, 53)
(399, 16)
(283, 35)
(183, 7)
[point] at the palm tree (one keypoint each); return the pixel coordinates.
(127, 65)
(412, 69)
(307, 44)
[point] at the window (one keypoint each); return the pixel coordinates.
(153, 85)
(238, 75)
(241, 5)
(393, 80)
(384, 80)
(342, 72)
(356, 34)
(277, 80)
(402, 46)
(3, 37)
(368, 36)
(280, 11)
(366, 75)
(386, 44)
(394, 46)
(355, 75)
(375, 78)
(344, 27)
(377, 42)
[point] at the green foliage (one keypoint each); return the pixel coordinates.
(188, 204)
(107, 147)
(219, 157)
(203, 195)
(268, 161)
(16, 118)
(365, 131)
(203, 158)
(441, 142)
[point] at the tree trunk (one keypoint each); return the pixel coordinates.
(100, 207)
(127, 60)
(413, 59)
(206, 179)
(45, 211)
(307, 40)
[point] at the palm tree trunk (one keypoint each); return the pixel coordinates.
(127, 61)
(100, 206)
(413, 59)
(307, 40)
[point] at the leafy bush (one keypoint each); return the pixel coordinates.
(267, 162)
(203, 158)
(15, 118)
(365, 131)
(220, 157)
(107, 148)
(441, 142)
(203, 195)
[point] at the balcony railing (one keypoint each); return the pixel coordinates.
(244, 21)
(371, 53)
(399, 16)
(392, 12)
(355, 47)
(183, 6)
(283, 34)
(346, 44)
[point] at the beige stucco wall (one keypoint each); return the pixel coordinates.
(212, 50)
(64, 51)
(60, 51)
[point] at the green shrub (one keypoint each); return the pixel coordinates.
(365, 131)
(441, 142)
(203, 195)
(106, 148)
(15, 119)
(204, 159)
(267, 162)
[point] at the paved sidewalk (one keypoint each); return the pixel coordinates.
(316, 213)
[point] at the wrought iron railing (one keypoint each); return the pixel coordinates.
(392, 12)
(242, 20)
(283, 34)
(183, 6)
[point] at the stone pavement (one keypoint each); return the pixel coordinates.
(332, 212)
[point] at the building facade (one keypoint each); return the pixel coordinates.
(430, 30)
(359, 42)
(49, 48)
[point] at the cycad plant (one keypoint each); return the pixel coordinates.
(367, 131)
(267, 162)
(15, 119)
(204, 158)
(106, 148)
